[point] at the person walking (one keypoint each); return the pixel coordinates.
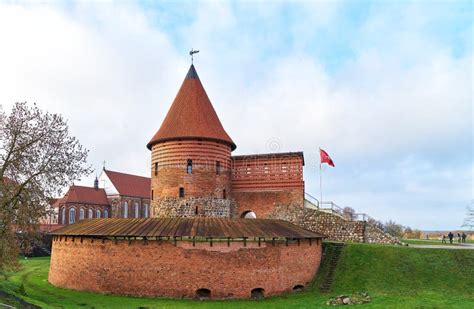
(459, 237)
(450, 236)
(443, 240)
(464, 237)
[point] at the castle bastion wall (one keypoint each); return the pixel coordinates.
(162, 269)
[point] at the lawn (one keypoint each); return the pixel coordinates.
(395, 277)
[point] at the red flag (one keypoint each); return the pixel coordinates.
(325, 158)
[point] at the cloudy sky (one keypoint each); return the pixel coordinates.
(385, 87)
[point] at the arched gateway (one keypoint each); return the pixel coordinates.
(121, 256)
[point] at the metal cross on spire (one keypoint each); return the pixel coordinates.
(191, 53)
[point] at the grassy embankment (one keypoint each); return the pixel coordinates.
(395, 277)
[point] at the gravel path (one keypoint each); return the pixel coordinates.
(457, 246)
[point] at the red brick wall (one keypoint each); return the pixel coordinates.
(263, 202)
(162, 269)
(271, 171)
(172, 159)
(261, 182)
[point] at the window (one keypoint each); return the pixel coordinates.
(90, 215)
(125, 210)
(145, 211)
(81, 214)
(224, 195)
(181, 192)
(98, 213)
(72, 215)
(196, 211)
(152, 195)
(137, 210)
(63, 216)
(189, 168)
(106, 213)
(156, 168)
(218, 167)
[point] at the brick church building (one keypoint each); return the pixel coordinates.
(114, 195)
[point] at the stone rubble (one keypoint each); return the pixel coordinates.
(357, 298)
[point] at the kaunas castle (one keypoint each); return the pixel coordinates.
(201, 215)
(193, 173)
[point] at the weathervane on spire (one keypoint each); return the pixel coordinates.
(191, 53)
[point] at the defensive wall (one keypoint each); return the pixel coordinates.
(334, 226)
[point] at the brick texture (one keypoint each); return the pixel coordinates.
(263, 202)
(159, 268)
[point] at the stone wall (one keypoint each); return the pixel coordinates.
(194, 207)
(159, 268)
(335, 227)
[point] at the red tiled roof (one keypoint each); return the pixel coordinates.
(85, 195)
(191, 115)
(130, 185)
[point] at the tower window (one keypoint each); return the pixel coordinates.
(218, 167)
(196, 210)
(189, 167)
(156, 168)
(224, 195)
(181, 192)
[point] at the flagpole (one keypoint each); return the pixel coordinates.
(320, 181)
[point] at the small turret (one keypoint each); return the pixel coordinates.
(96, 183)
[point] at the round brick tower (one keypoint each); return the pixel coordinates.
(191, 158)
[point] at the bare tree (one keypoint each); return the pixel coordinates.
(349, 213)
(469, 221)
(393, 228)
(38, 158)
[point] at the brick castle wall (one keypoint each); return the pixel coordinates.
(172, 158)
(263, 202)
(158, 268)
(261, 182)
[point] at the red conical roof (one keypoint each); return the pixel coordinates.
(191, 116)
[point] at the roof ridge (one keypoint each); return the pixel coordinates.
(106, 170)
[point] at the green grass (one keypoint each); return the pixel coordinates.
(395, 277)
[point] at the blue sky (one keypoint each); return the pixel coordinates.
(384, 86)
